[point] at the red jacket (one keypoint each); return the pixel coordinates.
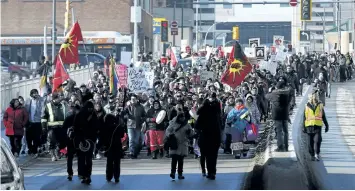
(15, 120)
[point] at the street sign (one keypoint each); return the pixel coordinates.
(293, 3)
(305, 38)
(174, 28)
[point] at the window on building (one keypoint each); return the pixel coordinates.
(205, 22)
(247, 6)
(318, 32)
(327, 23)
(321, 14)
(321, 5)
(319, 41)
(227, 4)
(203, 35)
(205, 10)
(284, 5)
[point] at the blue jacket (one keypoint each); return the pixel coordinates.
(238, 118)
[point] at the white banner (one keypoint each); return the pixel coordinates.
(270, 66)
(139, 79)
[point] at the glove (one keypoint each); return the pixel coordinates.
(304, 130)
(44, 127)
(153, 119)
(326, 129)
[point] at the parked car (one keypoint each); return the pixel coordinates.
(11, 71)
(11, 174)
(91, 59)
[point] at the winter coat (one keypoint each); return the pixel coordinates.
(111, 134)
(280, 103)
(152, 115)
(15, 121)
(136, 116)
(40, 104)
(209, 126)
(182, 136)
(227, 109)
(254, 110)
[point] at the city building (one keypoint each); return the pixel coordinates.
(323, 19)
(206, 19)
(27, 18)
(256, 21)
(179, 10)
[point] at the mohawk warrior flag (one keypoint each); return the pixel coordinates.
(69, 49)
(238, 67)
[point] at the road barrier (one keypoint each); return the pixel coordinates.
(23, 87)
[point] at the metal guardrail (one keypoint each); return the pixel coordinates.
(23, 87)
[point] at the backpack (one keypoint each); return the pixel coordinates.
(170, 141)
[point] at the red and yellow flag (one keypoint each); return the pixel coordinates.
(238, 67)
(69, 49)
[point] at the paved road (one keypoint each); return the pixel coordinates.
(138, 174)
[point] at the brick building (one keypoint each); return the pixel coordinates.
(28, 17)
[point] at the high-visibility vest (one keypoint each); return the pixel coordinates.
(51, 121)
(314, 118)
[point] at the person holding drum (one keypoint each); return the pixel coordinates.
(156, 123)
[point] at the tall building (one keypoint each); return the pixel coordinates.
(206, 19)
(255, 21)
(323, 19)
(27, 18)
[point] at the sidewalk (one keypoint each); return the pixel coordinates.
(336, 170)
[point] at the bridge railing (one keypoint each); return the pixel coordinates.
(23, 87)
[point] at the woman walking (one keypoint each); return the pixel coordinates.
(15, 118)
(181, 130)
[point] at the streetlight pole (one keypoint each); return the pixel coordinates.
(209, 30)
(196, 28)
(135, 33)
(54, 31)
(182, 20)
(174, 17)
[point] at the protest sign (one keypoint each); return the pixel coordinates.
(126, 58)
(139, 79)
(122, 74)
(205, 75)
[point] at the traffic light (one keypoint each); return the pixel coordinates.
(306, 10)
(67, 15)
(235, 33)
(164, 31)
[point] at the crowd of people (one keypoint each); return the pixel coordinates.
(180, 115)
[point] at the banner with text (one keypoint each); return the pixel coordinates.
(140, 79)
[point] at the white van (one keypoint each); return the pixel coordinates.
(11, 174)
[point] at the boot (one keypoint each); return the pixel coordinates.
(155, 154)
(180, 176)
(161, 151)
(172, 175)
(53, 155)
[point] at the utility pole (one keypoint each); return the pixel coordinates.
(324, 37)
(135, 35)
(196, 27)
(54, 31)
(174, 19)
(182, 20)
(45, 42)
(339, 23)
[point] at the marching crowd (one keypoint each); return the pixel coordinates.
(179, 116)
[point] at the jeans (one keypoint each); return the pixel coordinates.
(282, 133)
(70, 157)
(134, 136)
(315, 140)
